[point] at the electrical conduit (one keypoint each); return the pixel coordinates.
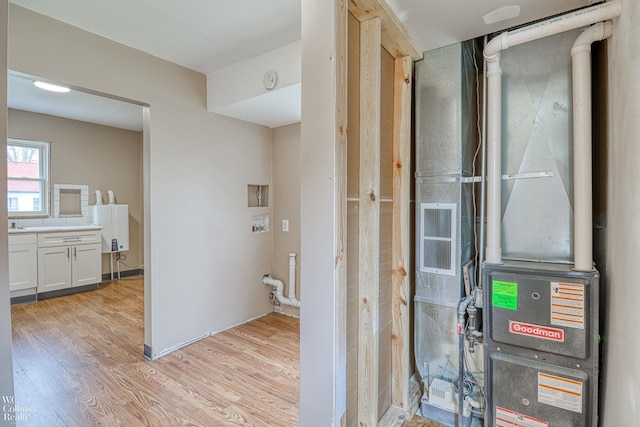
(552, 26)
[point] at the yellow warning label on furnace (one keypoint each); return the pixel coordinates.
(567, 304)
(560, 392)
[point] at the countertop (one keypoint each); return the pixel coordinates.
(53, 228)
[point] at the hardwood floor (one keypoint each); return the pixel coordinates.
(78, 362)
(418, 421)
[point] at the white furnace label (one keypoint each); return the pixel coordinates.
(567, 305)
(507, 418)
(560, 392)
(536, 331)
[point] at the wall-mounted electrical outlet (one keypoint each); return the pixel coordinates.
(285, 225)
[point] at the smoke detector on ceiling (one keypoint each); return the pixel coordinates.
(270, 79)
(501, 14)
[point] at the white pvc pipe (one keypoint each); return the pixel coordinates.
(494, 161)
(292, 276)
(268, 280)
(556, 25)
(582, 143)
(559, 24)
(483, 172)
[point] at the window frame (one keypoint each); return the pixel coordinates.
(44, 149)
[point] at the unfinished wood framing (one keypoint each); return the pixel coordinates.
(342, 39)
(353, 170)
(401, 279)
(369, 223)
(379, 239)
(395, 38)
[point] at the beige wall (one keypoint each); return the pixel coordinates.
(322, 324)
(202, 264)
(6, 364)
(102, 157)
(286, 204)
(621, 388)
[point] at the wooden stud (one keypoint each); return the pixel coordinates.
(401, 278)
(342, 40)
(395, 37)
(369, 223)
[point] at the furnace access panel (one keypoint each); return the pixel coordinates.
(541, 344)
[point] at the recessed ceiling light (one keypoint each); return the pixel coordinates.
(51, 87)
(501, 14)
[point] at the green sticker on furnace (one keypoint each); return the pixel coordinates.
(504, 295)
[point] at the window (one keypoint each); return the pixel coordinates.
(27, 178)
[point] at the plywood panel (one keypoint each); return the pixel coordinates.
(352, 313)
(386, 125)
(386, 295)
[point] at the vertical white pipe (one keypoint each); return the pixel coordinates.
(582, 143)
(483, 171)
(555, 25)
(494, 159)
(292, 276)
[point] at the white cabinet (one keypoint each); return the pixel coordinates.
(68, 259)
(23, 262)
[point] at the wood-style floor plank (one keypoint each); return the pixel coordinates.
(78, 362)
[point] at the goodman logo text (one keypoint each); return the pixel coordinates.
(536, 331)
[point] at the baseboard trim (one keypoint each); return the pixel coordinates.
(148, 353)
(126, 273)
(24, 299)
(67, 291)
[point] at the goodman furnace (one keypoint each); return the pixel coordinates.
(541, 345)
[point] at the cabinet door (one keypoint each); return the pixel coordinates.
(87, 264)
(54, 268)
(23, 267)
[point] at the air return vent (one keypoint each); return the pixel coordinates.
(438, 238)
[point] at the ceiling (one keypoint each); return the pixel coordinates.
(76, 105)
(437, 23)
(207, 35)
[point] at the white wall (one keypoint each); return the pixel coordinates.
(204, 264)
(622, 335)
(286, 205)
(238, 90)
(6, 364)
(243, 80)
(322, 356)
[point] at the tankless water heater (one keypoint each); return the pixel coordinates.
(115, 222)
